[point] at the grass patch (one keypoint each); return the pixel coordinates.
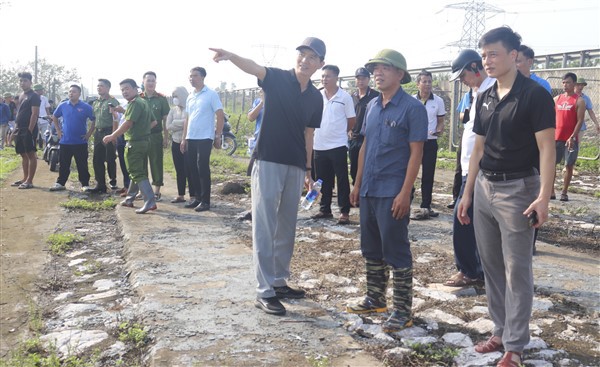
(588, 149)
(83, 204)
(133, 334)
(62, 242)
(89, 267)
(222, 165)
(9, 161)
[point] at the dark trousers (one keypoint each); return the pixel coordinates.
(181, 169)
(67, 152)
(466, 255)
(353, 150)
(329, 165)
(198, 160)
(428, 171)
(121, 150)
(104, 153)
(457, 184)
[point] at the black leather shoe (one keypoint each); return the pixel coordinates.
(270, 305)
(287, 292)
(451, 205)
(97, 190)
(202, 207)
(192, 204)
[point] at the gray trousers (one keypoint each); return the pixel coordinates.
(504, 241)
(276, 190)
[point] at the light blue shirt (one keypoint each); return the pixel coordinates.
(543, 82)
(201, 108)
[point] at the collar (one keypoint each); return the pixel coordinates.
(429, 98)
(155, 95)
(516, 87)
(395, 99)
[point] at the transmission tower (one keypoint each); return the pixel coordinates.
(474, 24)
(269, 53)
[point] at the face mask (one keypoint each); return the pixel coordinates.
(175, 101)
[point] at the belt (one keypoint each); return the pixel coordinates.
(507, 176)
(105, 130)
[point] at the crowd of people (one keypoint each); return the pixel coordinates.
(514, 134)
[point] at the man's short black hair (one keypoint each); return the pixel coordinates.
(105, 82)
(527, 51)
(333, 68)
(25, 75)
(510, 39)
(573, 76)
(149, 73)
(422, 74)
(129, 81)
(75, 86)
(201, 70)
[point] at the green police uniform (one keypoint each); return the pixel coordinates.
(160, 107)
(138, 138)
(104, 153)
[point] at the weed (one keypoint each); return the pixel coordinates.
(89, 267)
(436, 353)
(133, 334)
(318, 361)
(83, 204)
(9, 161)
(62, 242)
(35, 318)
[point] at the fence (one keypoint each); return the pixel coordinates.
(240, 100)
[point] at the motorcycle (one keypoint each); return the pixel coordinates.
(52, 148)
(228, 142)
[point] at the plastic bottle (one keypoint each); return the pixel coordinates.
(312, 195)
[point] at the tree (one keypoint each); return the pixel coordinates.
(55, 78)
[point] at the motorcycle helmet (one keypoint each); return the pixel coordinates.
(463, 60)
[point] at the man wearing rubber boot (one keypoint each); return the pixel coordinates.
(395, 130)
(137, 125)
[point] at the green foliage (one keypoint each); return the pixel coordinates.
(55, 78)
(89, 267)
(62, 242)
(223, 164)
(133, 334)
(318, 361)
(588, 149)
(423, 354)
(35, 318)
(84, 204)
(9, 161)
(32, 353)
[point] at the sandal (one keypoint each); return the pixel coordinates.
(344, 219)
(178, 199)
(488, 346)
(460, 280)
(564, 197)
(17, 183)
(321, 215)
(508, 361)
(25, 185)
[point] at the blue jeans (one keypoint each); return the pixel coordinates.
(466, 255)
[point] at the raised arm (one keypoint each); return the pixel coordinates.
(246, 65)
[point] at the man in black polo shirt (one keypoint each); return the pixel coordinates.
(515, 140)
(293, 109)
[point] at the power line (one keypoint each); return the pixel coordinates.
(474, 23)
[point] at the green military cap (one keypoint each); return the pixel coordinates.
(7, 94)
(581, 81)
(392, 58)
(38, 87)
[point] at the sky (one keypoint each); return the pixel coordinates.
(118, 39)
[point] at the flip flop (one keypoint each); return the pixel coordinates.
(16, 183)
(25, 186)
(460, 280)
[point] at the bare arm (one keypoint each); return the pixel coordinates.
(309, 135)
(246, 65)
(401, 204)
(351, 123)
(219, 131)
(355, 193)
(580, 116)
(594, 118)
(439, 129)
(35, 114)
(120, 131)
(183, 145)
(115, 119)
(465, 202)
(57, 126)
(253, 114)
(546, 146)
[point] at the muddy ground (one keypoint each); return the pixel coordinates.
(326, 262)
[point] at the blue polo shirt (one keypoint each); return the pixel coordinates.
(74, 125)
(201, 107)
(543, 82)
(389, 132)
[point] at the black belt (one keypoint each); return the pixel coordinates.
(105, 130)
(507, 176)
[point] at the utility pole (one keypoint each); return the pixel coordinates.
(474, 24)
(35, 69)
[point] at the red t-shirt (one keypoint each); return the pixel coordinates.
(566, 116)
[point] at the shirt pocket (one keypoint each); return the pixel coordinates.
(391, 132)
